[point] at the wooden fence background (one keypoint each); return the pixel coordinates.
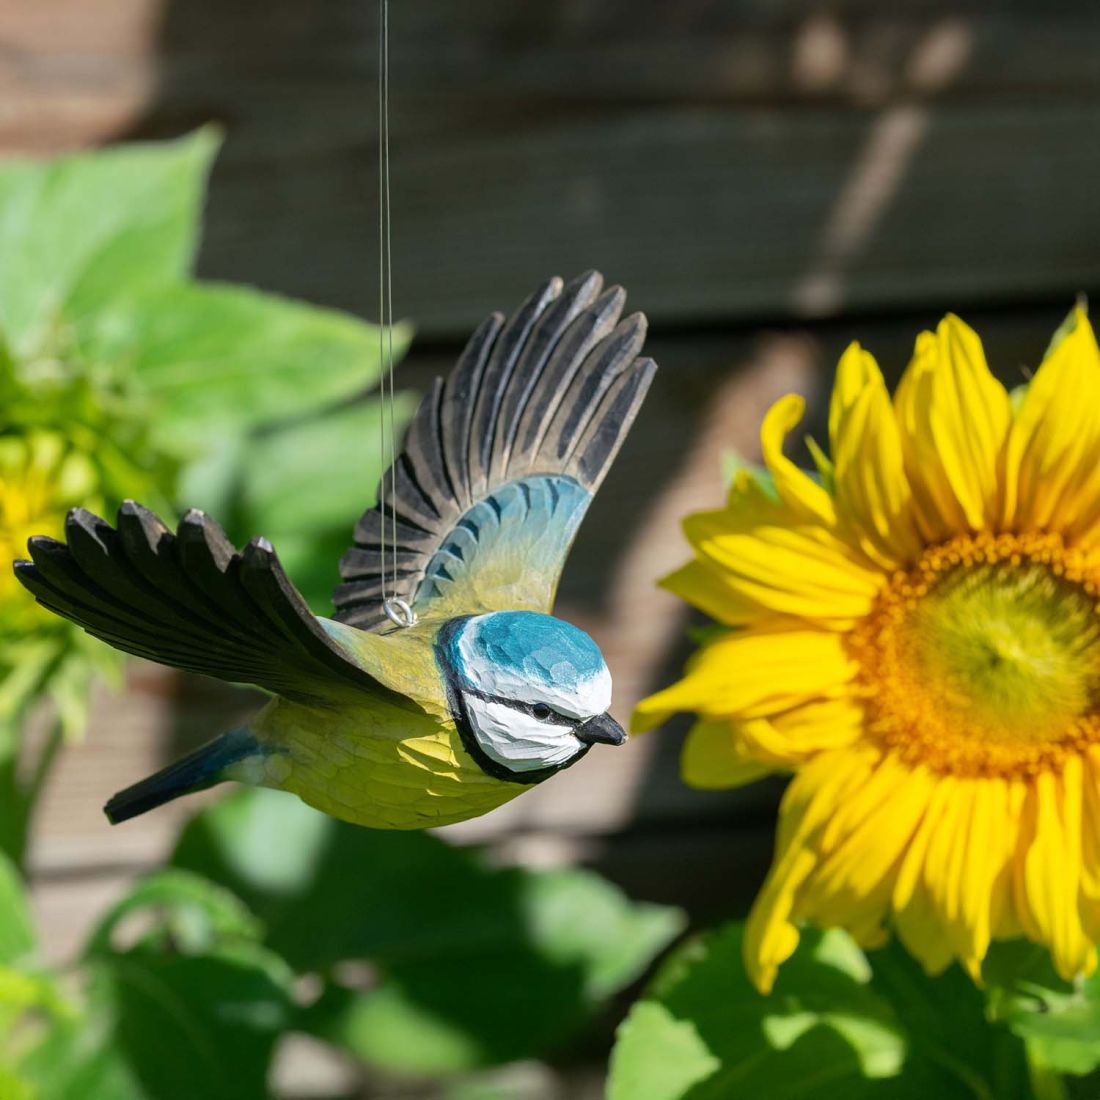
(769, 178)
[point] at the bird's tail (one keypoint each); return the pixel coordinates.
(203, 768)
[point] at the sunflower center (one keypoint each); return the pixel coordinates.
(985, 658)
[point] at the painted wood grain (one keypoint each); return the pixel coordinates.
(724, 161)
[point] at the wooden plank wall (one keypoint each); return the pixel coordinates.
(769, 179)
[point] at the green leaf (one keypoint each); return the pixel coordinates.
(79, 231)
(1068, 325)
(194, 1003)
(545, 947)
(320, 473)
(305, 485)
(704, 1032)
(190, 1005)
(192, 911)
(217, 359)
(576, 917)
(953, 1044)
(1059, 1020)
(832, 1027)
(14, 1087)
(17, 938)
(734, 465)
(190, 1026)
(79, 1059)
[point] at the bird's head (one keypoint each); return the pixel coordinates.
(528, 692)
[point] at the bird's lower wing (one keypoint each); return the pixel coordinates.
(501, 461)
(190, 600)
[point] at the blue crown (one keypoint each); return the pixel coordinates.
(534, 646)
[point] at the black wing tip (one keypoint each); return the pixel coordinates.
(132, 510)
(24, 570)
(82, 517)
(260, 556)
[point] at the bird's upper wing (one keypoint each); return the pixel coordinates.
(502, 459)
(191, 600)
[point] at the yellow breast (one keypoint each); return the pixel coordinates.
(376, 764)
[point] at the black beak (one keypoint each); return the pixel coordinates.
(603, 730)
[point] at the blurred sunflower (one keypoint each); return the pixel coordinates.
(40, 479)
(916, 633)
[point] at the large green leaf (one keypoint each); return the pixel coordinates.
(319, 473)
(473, 965)
(180, 1002)
(305, 485)
(832, 1027)
(187, 1000)
(79, 1058)
(17, 938)
(196, 1025)
(192, 911)
(218, 359)
(80, 231)
(1059, 1020)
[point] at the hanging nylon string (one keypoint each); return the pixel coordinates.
(396, 609)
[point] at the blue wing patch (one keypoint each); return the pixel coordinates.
(507, 551)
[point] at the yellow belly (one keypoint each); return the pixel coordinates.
(380, 767)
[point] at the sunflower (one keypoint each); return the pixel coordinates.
(40, 478)
(915, 633)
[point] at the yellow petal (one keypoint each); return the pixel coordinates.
(713, 758)
(1052, 460)
(771, 934)
(746, 674)
(714, 591)
(1090, 847)
(795, 735)
(861, 847)
(1052, 869)
(969, 853)
(791, 570)
(872, 494)
(797, 489)
(954, 417)
(919, 929)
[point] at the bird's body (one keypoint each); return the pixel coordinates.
(387, 725)
(360, 770)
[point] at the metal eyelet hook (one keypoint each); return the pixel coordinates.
(398, 612)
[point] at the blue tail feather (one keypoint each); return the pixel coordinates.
(195, 772)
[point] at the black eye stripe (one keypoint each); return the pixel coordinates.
(541, 711)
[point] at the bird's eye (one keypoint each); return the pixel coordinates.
(541, 711)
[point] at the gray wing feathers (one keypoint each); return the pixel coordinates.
(553, 391)
(189, 600)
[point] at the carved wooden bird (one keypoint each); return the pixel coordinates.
(386, 725)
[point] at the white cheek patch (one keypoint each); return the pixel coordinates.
(518, 740)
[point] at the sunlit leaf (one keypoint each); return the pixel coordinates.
(1059, 1020)
(196, 1025)
(835, 1025)
(79, 231)
(214, 357)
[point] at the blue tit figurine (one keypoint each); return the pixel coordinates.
(473, 692)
